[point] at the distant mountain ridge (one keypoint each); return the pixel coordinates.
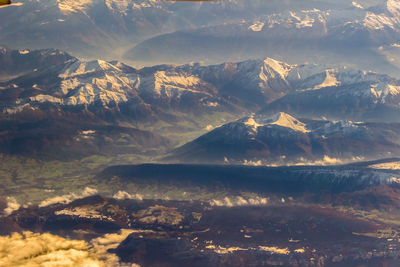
(52, 77)
(189, 100)
(157, 32)
(357, 33)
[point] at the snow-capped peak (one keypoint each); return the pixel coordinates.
(72, 6)
(393, 6)
(285, 120)
(81, 68)
(252, 123)
(281, 68)
(281, 119)
(387, 17)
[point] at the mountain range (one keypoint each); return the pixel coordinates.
(50, 99)
(358, 33)
(362, 33)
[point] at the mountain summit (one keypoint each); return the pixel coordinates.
(283, 139)
(281, 119)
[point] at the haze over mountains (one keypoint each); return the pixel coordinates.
(53, 77)
(363, 33)
(118, 149)
(75, 102)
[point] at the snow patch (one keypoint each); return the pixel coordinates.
(83, 212)
(281, 68)
(357, 5)
(330, 80)
(118, 6)
(275, 250)
(252, 124)
(73, 6)
(374, 21)
(18, 109)
(257, 27)
(281, 119)
(223, 250)
(306, 22)
(212, 104)
(24, 52)
(45, 98)
(173, 84)
(393, 6)
(285, 120)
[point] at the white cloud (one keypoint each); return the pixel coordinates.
(125, 195)
(12, 205)
(65, 199)
(239, 201)
(252, 163)
(34, 249)
(326, 160)
(388, 165)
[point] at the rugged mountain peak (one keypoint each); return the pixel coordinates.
(285, 120)
(72, 6)
(385, 15)
(281, 119)
(81, 68)
(280, 68)
(393, 6)
(250, 122)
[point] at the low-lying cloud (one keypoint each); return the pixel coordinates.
(239, 201)
(12, 205)
(33, 249)
(65, 199)
(120, 195)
